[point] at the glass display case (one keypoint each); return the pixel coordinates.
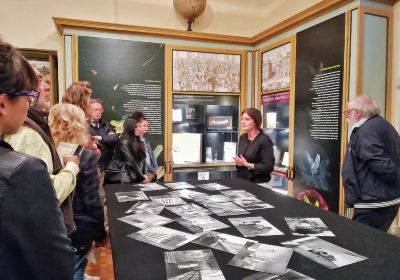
(205, 133)
(275, 111)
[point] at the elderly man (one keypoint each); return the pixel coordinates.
(371, 173)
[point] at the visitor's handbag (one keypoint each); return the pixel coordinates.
(116, 173)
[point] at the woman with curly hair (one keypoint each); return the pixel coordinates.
(78, 93)
(68, 124)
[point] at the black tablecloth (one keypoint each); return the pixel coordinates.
(138, 260)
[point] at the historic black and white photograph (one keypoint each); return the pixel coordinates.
(201, 223)
(224, 242)
(163, 237)
(213, 187)
(254, 226)
(145, 206)
(324, 252)
(263, 258)
(145, 219)
(217, 198)
(288, 275)
(130, 196)
(252, 203)
(167, 200)
(275, 68)
(205, 72)
(190, 210)
(180, 185)
(226, 209)
(193, 264)
(150, 187)
(189, 194)
(308, 226)
(235, 194)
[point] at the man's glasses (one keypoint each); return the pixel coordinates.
(32, 95)
(347, 112)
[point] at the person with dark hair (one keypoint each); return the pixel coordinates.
(34, 243)
(129, 162)
(371, 169)
(255, 160)
(151, 160)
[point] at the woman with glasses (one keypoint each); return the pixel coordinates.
(34, 244)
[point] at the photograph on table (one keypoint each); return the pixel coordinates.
(252, 203)
(205, 72)
(223, 242)
(308, 226)
(190, 210)
(150, 187)
(254, 226)
(164, 237)
(193, 264)
(226, 209)
(180, 185)
(288, 275)
(263, 258)
(188, 194)
(275, 68)
(145, 220)
(167, 200)
(211, 199)
(145, 206)
(324, 252)
(234, 194)
(213, 187)
(201, 223)
(130, 196)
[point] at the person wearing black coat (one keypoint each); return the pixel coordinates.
(33, 238)
(371, 169)
(255, 160)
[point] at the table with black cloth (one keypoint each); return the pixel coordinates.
(137, 260)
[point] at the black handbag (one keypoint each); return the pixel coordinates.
(116, 173)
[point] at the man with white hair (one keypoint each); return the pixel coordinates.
(371, 173)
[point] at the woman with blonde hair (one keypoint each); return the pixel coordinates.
(68, 124)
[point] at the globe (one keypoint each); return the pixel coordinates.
(190, 9)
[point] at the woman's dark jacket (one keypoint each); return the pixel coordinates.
(258, 152)
(33, 238)
(88, 211)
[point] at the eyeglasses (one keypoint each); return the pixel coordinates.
(347, 112)
(32, 95)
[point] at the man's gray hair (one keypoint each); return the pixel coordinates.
(366, 105)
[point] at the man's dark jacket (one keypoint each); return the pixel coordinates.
(371, 171)
(33, 239)
(107, 142)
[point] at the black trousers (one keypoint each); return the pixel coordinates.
(379, 218)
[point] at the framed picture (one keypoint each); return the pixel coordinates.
(46, 62)
(219, 122)
(205, 72)
(275, 68)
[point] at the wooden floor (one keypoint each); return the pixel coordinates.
(100, 266)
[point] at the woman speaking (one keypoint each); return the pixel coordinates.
(255, 160)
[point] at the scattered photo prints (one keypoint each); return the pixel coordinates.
(131, 196)
(308, 226)
(226, 209)
(237, 194)
(145, 206)
(163, 237)
(254, 226)
(223, 242)
(211, 199)
(201, 223)
(167, 200)
(180, 185)
(252, 203)
(213, 187)
(151, 187)
(262, 257)
(323, 252)
(189, 194)
(288, 275)
(190, 210)
(145, 219)
(194, 264)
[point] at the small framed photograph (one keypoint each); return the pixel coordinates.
(219, 122)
